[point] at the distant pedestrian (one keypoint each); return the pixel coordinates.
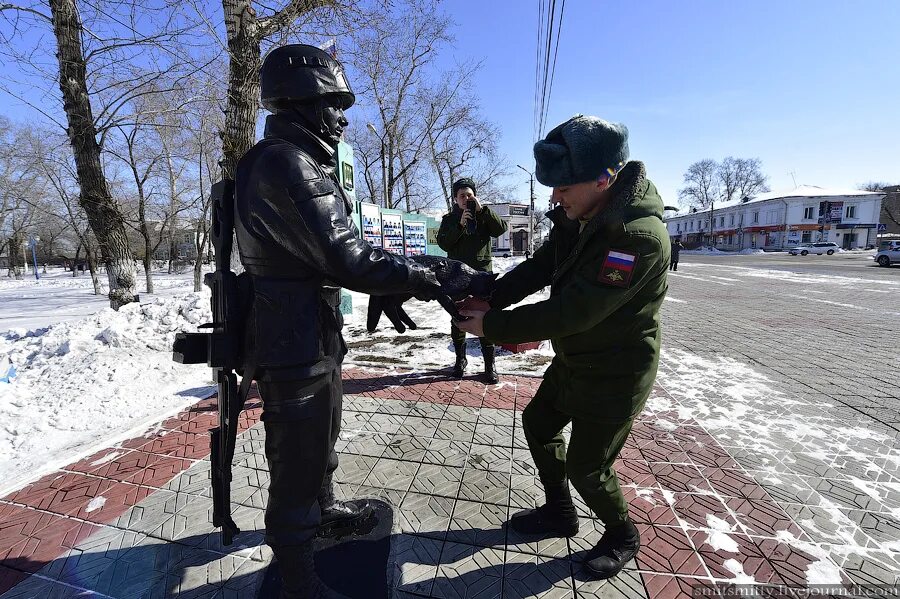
(676, 252)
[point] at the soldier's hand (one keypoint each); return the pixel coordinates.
(392, 307)
(473, 303)
(474, 322)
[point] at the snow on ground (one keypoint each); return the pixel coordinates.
(783, 275)
(82, 369)
(88, 382)
(743, 409)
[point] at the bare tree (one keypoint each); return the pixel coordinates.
(741, 177)
(890, 204)
(702, 186)
(95, 56)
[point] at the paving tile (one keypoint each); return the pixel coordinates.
(437, 480)
(354, 469)
(407, 448)
(447, 453)
(485, 486)
(526, 491)
(785, 488)
(729, 556)
(634, 472)
(29, 539)
(415, 563)
(459, 414)
(528, 575)
(668, 550)
(392, 474)
(179, 444)
(680, 478)
(647, 505)
(44, 588)
(427, 515)
(419, 426)
(868, 567)
(881, 528)
(481, 524)
(625, 585)
(495, 416)
(455, 431)
(762, 517)
(846, 494)
(9, 578)
(489, 457)
(733, 483)
(665, 586)
(792, 561)
(469, 571)
(696, 510)
(555, 547)
(493, 434)
(522, 462)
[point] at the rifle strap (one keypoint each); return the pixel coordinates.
(244, 389)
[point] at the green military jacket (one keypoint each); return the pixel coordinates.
(474, 250)
(607, 284)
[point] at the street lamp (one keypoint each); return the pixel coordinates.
(383, 165)
(530, 212)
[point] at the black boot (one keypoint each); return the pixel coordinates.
(556, 518)
(617, 546)
(298, 575)
(459, 368)
(340, 517)
(490, 371)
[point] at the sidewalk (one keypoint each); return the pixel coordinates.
(450, 460)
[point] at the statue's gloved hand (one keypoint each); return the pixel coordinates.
(392, 307)
(457, 280)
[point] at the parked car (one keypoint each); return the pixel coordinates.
(888, 256)
(822, 247)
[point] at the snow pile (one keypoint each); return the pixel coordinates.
(752, 252)
(84, 384)
(705, 251)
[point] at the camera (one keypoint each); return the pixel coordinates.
(471, 224)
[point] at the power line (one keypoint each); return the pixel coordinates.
(549, 30)
(562, 10)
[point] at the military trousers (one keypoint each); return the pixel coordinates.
(588, 460)
(302, 420)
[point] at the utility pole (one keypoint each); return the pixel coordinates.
(384, 182)
(530, 211)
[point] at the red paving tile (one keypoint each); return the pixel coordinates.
(665, 586)
(667, 550)
(733, 483)
(762, 517)
(789, 562)
(646, 505)
(10, 578)
(634, 472)
(177, 443)
(701, 511)
(680, 478)
(727, 554)
(30, 539)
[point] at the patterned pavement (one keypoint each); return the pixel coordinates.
(450, 458)
(768, 453)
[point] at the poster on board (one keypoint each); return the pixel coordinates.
(370, 216)
(392, 232)
(414, 233)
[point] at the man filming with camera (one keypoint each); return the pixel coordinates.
(465, 235)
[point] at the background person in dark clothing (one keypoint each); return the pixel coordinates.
(676, 252)
(473, 249)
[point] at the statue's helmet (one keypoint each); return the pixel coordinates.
(299, 74)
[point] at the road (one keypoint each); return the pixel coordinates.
(819, 326)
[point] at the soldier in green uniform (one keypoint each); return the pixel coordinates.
(606, 264)
(470, 245)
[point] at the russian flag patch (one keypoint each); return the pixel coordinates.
(617, 269)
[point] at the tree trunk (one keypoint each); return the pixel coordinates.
(15, 244)
(103, 214)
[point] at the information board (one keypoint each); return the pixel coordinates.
(370, 217)
(392, 232)
(414, 234)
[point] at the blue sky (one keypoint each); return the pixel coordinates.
(807, 87)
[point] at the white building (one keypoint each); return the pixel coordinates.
(780, 219)
(515, 240)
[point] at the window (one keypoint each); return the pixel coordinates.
(731, 222)
(807, 237)
(851, 211)
(721, 221)
(756, 217)
(742, 219)
(808, 213)
(692, 225)
(678, 228)
(771, 217)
